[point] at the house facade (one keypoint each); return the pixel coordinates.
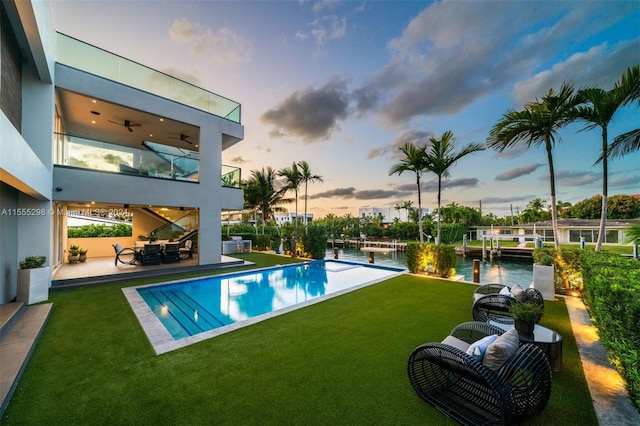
(569, 231)
(84, 130)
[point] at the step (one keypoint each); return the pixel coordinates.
(16, 346)
(9, 313)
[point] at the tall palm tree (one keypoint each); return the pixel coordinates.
(537, 125)
(305, 177)
(413, 161)
(293, 179)
(261, 193)
(440, 156)
(598, 112)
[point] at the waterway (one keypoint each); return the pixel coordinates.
(502, 271)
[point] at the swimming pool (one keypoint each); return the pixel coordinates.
(180, 313)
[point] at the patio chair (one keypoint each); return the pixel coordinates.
(171, 253)
(472, 391)
(492, 302)
(186, 252)
(126, 256)
(150, 255)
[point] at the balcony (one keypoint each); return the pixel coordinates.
(77, 54)
(156, 161)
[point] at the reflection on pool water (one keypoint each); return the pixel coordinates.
(191, 307)
(502, 271)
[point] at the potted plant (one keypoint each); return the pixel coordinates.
(33, 280)
(543, 272)
(525, 316)
(74, 254)
(82, 255)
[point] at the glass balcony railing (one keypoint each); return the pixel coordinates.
(230, 177)
(85, 57)
(103, 156)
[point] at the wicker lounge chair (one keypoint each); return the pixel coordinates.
(186, 252)
(126, 256)
(490, 305)
(471, 393)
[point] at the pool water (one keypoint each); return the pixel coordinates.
(187, 308)
(501, 271)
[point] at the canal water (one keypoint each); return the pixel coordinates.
(502, 271)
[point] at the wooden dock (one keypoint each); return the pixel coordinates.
(390, 245)
(503, 252)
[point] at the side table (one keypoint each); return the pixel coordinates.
(549, 341)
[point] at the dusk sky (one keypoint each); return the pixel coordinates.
(342, 84)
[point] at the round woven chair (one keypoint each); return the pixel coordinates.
(469, 392)
(489, 305)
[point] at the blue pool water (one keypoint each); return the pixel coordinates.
(501, 271)
(192, 307)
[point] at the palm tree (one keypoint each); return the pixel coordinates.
(261, 193)
(293, 179)
(633, 234)
(598, 112)
(413, 161)
(405, 205)
(305, 177)
(538, 124)
(440, 157)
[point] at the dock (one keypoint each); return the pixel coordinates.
(519, 253)
(379, 246)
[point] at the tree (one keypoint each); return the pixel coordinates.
(305, 177)
(598, 112)
(262, 195)
(440, 156)
(414, 161)
(405, 205)
(537, 124)
(293, 179)
(633, 234)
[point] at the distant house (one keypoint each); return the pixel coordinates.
(569, 231)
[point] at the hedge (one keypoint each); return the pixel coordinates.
(100, 230)
(612, 293)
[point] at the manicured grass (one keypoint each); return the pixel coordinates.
(342, 361)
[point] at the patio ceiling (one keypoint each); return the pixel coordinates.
(96, 119)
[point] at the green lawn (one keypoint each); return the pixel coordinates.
(342, 361)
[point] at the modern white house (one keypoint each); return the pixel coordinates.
(569, 231)
(82, 129)
(388, 213)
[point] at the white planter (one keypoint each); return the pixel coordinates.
(543, 280)
(33, 285)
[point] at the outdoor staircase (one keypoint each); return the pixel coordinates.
(20, 328)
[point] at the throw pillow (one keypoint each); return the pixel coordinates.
(456, 343)
(501, 350)
(478, 348)
(506, 292)
(518, 293)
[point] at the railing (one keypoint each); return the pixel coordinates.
(230, 177)
(85, 57)
(104, 156)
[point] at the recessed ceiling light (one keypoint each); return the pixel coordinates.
(94, 101)
(93, 121)
(162, 119)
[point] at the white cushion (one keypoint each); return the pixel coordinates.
(506, 292)
(478, 348)
(518, 293)
(456, 343)
(501, 350)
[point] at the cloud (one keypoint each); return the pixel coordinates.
(513, 151)
(432, 185)
(597, 66)
(567, 178)
(518, 171)
(352, 193)
(224, 47)
(505, 200)
(324, 4)
(238, 160)
(417, 137)
(450, 54)
(312, 114)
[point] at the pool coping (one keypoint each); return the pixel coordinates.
(162, 341)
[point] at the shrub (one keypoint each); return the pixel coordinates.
(100, 230)
(314, 241)
(416, 258)
(612, 293)
(32, 262)
(438, 260)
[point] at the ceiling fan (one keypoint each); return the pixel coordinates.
(128, 124)
(183, 138)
